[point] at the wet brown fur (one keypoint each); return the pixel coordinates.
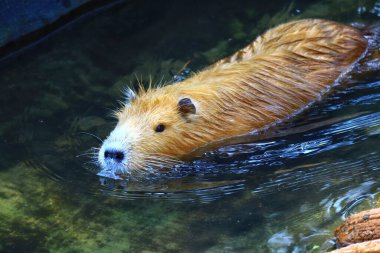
(280, 73)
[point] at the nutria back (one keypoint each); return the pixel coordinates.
(279, 74)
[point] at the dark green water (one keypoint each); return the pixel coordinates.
(284, 194)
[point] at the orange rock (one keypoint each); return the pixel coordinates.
(360, 227)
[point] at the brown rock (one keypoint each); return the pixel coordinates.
(360, 227)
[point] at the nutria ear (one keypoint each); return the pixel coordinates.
(186, 107)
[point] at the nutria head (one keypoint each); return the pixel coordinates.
(147, 135)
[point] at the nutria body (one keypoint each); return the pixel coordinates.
(277, 75)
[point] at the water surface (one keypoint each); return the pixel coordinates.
(278, 194)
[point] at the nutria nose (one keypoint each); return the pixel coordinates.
(116, 155)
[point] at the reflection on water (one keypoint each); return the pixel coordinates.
(284, 192)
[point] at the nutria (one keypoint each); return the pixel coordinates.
(278, 75)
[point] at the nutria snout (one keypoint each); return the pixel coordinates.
(278, 75)
(114, 155)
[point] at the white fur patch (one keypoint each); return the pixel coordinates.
(129, 95)
(120, 139)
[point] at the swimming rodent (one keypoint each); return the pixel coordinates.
(278, 75)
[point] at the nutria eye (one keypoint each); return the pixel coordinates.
(160, 128)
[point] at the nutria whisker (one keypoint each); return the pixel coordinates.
(162, 156)
(159, 162)
(92, 153)
(162, 163)
(142, 172)
(87, 154)
(93, 135)
(163, 159)
(90, 162)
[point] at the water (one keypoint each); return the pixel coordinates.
(284, 193)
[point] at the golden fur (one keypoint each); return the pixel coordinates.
(280, 73)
